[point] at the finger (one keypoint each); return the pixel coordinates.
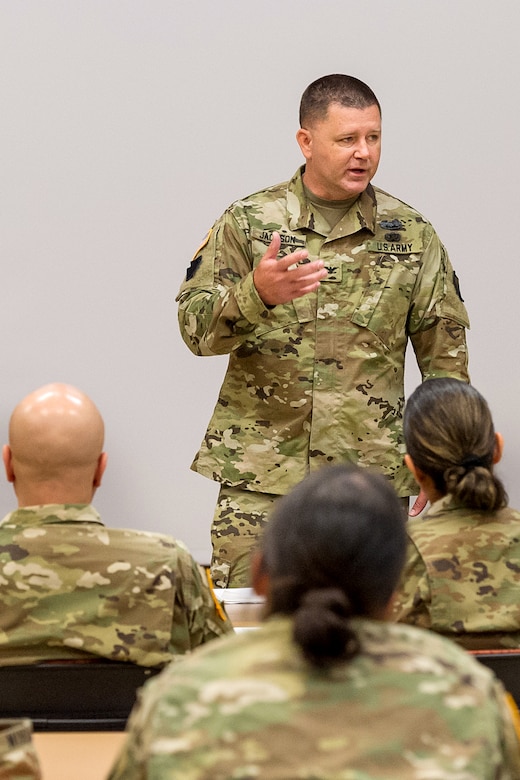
(286, 263)
(274, 247)
(303, 275)
(307, 288)
(308, 272)
(419, 504)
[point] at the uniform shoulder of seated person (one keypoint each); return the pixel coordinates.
(72, 588)
(462, 574)
(327, 686)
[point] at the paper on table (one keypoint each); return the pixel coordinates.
(238, 596)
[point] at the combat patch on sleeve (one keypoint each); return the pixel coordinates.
(456, 284)
(192, 268)
(197, 258)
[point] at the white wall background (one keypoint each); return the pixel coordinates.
(128, 126)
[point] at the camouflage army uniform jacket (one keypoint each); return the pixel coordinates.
(72, 588)
(462, 575)
(410, 705)
(319, 380)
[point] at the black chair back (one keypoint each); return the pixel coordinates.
(72, 696)
(506, 665)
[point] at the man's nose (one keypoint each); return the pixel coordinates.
(361, 149)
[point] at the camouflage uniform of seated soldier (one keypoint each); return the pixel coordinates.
(71, 588)
(326, 688)
(462, 574)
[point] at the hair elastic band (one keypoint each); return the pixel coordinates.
(472, 461)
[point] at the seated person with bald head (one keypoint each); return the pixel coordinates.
(71, 588)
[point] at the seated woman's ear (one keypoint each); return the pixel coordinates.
(499, 447)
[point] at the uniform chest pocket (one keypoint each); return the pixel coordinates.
(386, 298)
(299, 310)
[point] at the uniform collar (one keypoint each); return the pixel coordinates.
(445, 504)
(362, 215)
(51, 514)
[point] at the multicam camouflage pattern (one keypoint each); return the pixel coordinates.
(238, 523)
(18, 759)
(411, 705)
(72, 588)
(319, 380)
(462, 575)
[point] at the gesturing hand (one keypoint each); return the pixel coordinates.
(419, 504)
(282, 280)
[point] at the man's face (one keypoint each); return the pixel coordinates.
(342, 151)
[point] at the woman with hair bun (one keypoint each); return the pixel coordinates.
(462, 575)
(326, 688)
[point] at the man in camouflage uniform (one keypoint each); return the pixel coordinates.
(462, 575)
(313, 287)
(70, 588)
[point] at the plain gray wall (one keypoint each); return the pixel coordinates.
(127, 127)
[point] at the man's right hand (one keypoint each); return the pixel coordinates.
(277, 282)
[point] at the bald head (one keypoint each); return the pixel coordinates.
(55, 447)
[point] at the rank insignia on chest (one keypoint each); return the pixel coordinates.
(334, 271)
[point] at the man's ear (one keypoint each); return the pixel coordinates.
(304, 138)
(100, 469)
(499, 447)
(259, 576)
(7, 456)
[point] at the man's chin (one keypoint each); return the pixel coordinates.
(353, 188)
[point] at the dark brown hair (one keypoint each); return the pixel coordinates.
(449, 435)
(333, 549)
(348, 91)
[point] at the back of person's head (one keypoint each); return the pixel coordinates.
(332, 550)
(347, 91)
(450, 437)
(55, 446)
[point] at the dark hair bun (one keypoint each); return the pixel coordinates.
(321, 627)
